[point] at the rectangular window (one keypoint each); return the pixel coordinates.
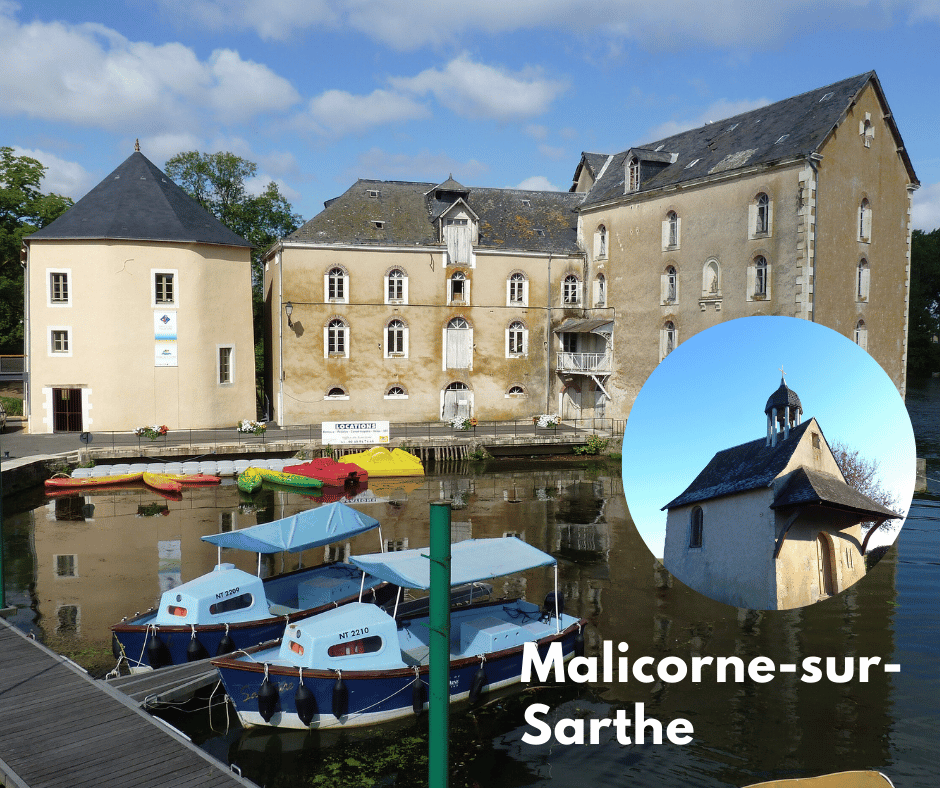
(226, 365)
(163, 289)
(59, 287)
(59, 341)
(66, 566)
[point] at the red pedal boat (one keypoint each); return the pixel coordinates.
(331, 472)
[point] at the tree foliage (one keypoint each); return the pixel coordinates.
(23, 210)
(924, 323)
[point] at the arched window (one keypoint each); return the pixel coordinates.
(711, 279)
(600, 242)
(861, 335)
(696, 522)
(760, 276)
(456, 401)
(336, 281)
(864, 221)
(337, 338)
(668, 337)
(571, 290)
(517, 290)
(396, 392)
(516, 336)
(670, 285)
(672, 221)
(396, 287)
(458, 344)
(762, 226)
(458, 288)
(862, 280)
(515, 391)
(337, 392)
(396, 338)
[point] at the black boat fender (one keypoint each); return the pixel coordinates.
(226, 644)
(116, 648)
(268, 697)
(158, 655)
(305, 702)
(195, 650)
(477, 683)
(340, 696)
(417, 694)
(579, 643)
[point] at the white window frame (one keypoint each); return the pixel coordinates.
(866, 130)
(459, 276)
(510, 394)
(708, 292)
(862, 280)
(600, 290)
(50, 346)
(864, 221)
(521, 285)
(343, 396)
(387, 346)
(571, 290)
(517, 340)
(457, 234)
(231, 365)
(672, 231)
(67, 301)
(600, 242)
(342, 281)
(669, 286)
(665, 345)
(753, 217)
(633, 174)
(387, 286)
(326, 339)
(389, 395)
(172, 272)
(752, 279)
(861, 334)
(448, 327)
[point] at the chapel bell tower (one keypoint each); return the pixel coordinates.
(783, 411)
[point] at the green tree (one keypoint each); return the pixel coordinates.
(923, 350)
(23, 210)
(217, 182)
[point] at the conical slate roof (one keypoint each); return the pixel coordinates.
(139, 202)
(783, 397)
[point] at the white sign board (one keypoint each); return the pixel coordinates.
(164, 332)
(344, 433)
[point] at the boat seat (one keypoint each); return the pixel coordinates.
(280, 610)
(488, 633)
(417, 655)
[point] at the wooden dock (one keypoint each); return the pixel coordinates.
(58, 726)
(172, 684)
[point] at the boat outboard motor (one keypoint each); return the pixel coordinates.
(548, 606)
(306, 704)
(268, 697)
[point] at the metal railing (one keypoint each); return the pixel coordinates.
(583, 362)
(12, 365)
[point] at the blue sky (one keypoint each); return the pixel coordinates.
(709, 394)
(504, 94)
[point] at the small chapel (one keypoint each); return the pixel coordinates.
(771, 524)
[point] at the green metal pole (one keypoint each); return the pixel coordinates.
(439, 667)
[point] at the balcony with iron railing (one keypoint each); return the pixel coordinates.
(586, 363)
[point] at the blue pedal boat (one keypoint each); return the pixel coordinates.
(360, 665)
(229, 609)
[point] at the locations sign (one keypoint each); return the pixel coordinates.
(344, 433)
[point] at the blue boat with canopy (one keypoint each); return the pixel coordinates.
(228, 608)
(359, 664)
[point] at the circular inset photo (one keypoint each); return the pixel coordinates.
(768, 462)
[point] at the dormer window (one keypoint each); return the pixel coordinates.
(781, 139)
(633, 168)
(540, 232)
(374, 193)
(457, 238)
(379, 225)
(526, 203)
(826, 97)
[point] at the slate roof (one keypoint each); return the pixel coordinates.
(139, 202)
(749, 466)
(806, 486)
(403, 215)
(794, 127)
(783, 397)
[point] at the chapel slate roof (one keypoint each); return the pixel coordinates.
(139, 202)
(403, 214)
(741, 468)
(783, 397)
(806, 486)
(794, 127)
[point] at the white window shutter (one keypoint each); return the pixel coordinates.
(404, 343)
(665, 234)
(326, 287)
(770, 221)
(866, 281)
(751, 281)
(326, 342)
(506, 343)
(525, 292)
(751, 221)
(678, 231)
(768, 280)
(663, 287)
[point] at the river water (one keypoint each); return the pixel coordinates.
(73, 571)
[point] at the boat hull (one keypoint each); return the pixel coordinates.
(132, 636)
(69, 483)
(330, 472)
(252, 478)
(373, 696)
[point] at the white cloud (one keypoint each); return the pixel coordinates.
(338, 112)
(538, 183)
(718, 110)
(93, 76)
(536, 131)
(925, 214)
(272, 20)
(552, 152)
(477, 90)
(67, 178)
(432, 167)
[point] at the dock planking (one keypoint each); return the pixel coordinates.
(59, 726)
